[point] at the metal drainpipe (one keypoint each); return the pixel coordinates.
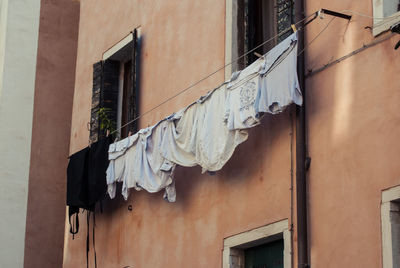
(301, 184)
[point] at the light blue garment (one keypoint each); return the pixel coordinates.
(116, 168)
(152, 172)
(266, 86)
(278, 81)
(137, 163)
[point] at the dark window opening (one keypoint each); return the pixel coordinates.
(258, 21)
(126, 102)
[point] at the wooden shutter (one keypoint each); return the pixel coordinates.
(109, 92)
(133, 95)
(94, 117)
(104, 95)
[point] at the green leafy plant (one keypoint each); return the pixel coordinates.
(105, 122)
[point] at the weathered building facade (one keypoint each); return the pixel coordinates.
(352, 129)
(245, 215)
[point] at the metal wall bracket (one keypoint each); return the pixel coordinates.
(335, 14)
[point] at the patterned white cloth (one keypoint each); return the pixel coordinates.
(267, 85)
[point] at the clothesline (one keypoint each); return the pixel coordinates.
(207, 132)
(211, 74)
(248, 52)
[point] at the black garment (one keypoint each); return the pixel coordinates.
(86, 178)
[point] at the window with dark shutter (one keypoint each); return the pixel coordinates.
(115, 91)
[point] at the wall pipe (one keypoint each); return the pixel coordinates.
(301, 182)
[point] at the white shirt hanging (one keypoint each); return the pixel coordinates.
(200, 136)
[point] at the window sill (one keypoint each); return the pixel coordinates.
(384, 25)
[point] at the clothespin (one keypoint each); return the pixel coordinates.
(320, 14)
(108, 133)
(129, 133)
(258, 54)
(294, 28)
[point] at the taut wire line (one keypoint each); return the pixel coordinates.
(318, 35)
(243, 55)
(211, 74)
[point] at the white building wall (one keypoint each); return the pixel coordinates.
(3, 26)
(19, 25)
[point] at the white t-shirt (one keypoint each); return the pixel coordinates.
(200, 136)
(239, 107)
(242, 91)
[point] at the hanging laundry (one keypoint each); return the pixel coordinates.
(242, 92)
(178, 144)
(206, 132)
(200, 136)
(116, 169)
(267, 85)
(279, 85)
(152, 171)
(86, 178)
(137, 163)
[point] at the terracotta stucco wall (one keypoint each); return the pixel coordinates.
(183, 41)
(353, 131)
(54, 87)
(353, 125)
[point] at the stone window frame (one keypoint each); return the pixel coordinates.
(107, 55)
(234, 246)
(230, 36)
(382, 25)
(390, 227)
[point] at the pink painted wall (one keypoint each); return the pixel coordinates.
(183, 41)
(353, 133)
(55, 76)
(353, 125)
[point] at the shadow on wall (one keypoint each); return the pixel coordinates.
(51, 130)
